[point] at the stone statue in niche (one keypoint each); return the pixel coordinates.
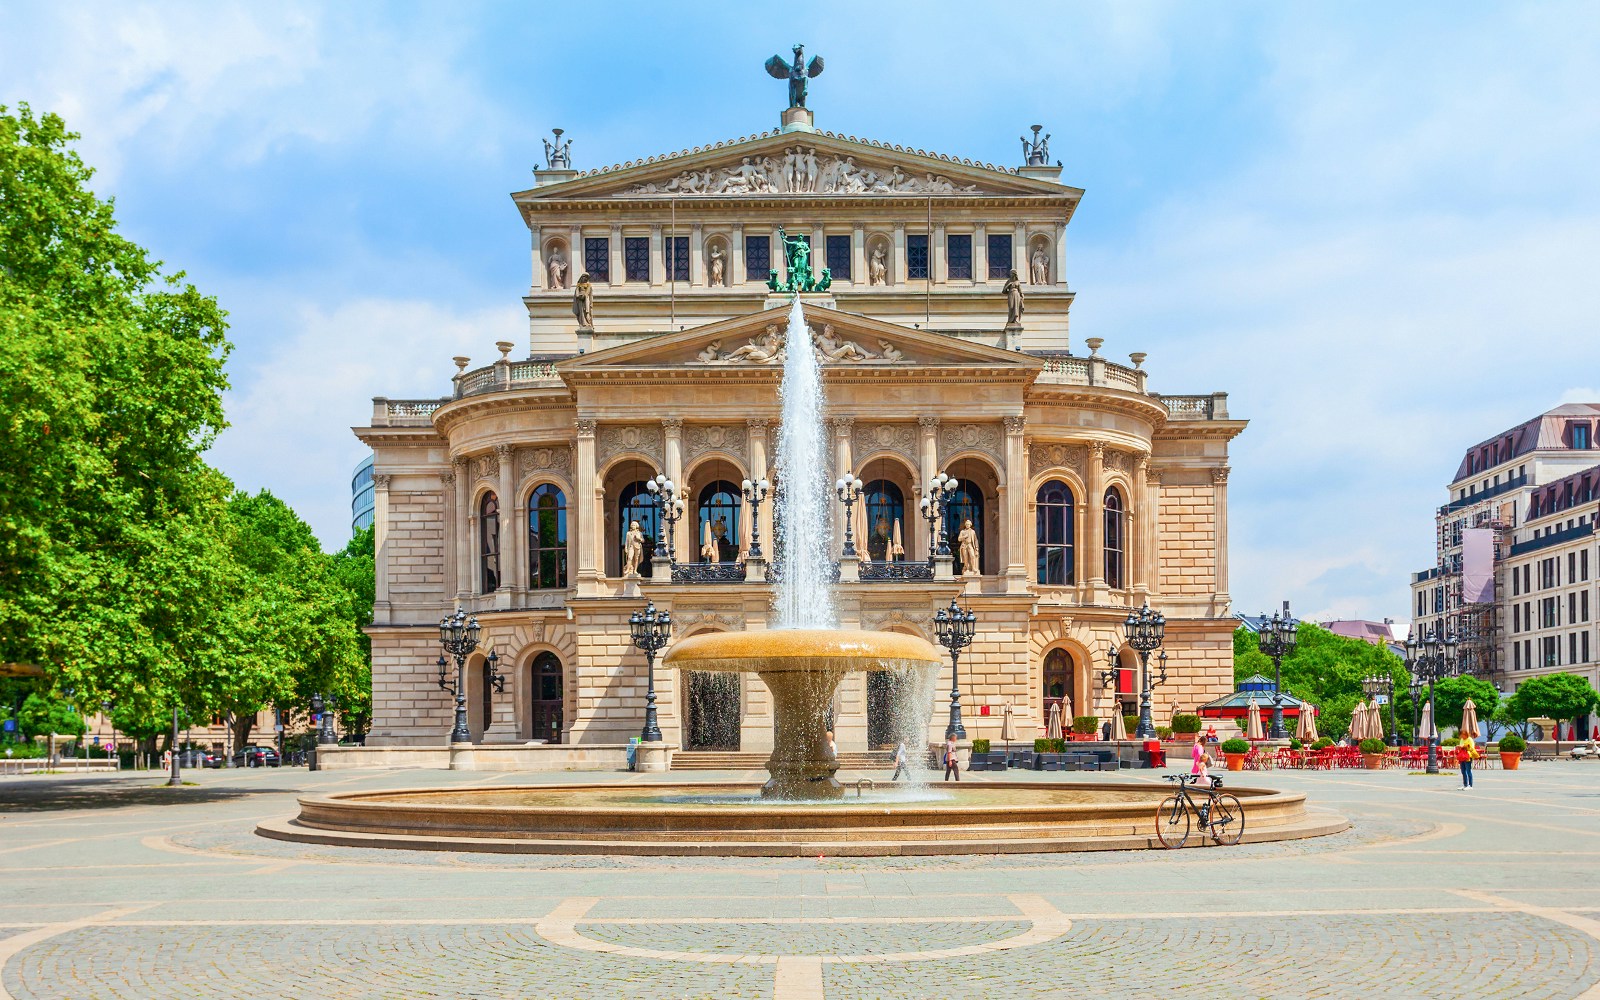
(583, 302)
(1013, 294)
(717, 264)
(558, 269)
(1039, 266)
(878, 268)
(632, 550)
(967, 545)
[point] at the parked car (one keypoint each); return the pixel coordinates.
(256, 757)
(195, 757)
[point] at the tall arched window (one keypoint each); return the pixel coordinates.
(489, 542)
(965, 504)
(547, 538)
(1116, 539)
(545, 703)
(1057, 681)
(1056, 529)
(717, 522)
(884, 516)
(635, 505)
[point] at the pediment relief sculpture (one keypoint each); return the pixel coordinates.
(770, 347)
(800, 171)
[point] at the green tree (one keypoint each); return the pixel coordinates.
(1325, 669)
(354, 569)
(1561, 697)
(111, 376)
(1450, 699)
(41, 715)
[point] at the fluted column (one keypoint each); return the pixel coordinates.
(1139, 518)
(843, 462)
(450, 514)
(513, 543)
(589, 530)
(928, 450)
(462, 529)
(672, 432)
(756, 431)
(380, 541)
(1014, 502)
(1096, 507)
(736, 255)
(1219, 488)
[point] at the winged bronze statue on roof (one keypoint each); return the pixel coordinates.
(795, 73)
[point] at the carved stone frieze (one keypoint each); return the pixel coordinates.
(799, 171)
(722, 619)
(955, 438)
(700, 439)
(1044, 455)
(1117, 461)
(882, 619)
(612, 440)
(869, 439)
(485, 467)
(552, 458)
(770, 347)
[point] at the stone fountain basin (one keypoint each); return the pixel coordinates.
(731, 819)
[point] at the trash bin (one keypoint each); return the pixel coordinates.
(1153, 755)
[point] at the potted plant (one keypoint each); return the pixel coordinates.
(1372, 751)
(1186, 727)
(1235, 750)
(1048, 751)
(985, 758)
(1130, 725)
(1085, 728)
(1163, 733)
(1322, 743)
(1511, 748)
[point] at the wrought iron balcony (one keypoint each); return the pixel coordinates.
(700, 572)
(895, 571)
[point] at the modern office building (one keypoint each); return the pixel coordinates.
(361, 496)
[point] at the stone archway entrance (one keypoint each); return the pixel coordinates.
(546, 690)
(713, 716)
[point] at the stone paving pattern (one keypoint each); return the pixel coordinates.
(114, 887)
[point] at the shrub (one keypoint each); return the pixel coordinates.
(1163, 733)
(1295, 744)
(1512, 743)
(1130, 724)
(1372, 745)
(1322, 743)
(1452, 741)
(980, 746)
(1046, 745)
(1086, 724)
(1235, 745)
(1186, 723)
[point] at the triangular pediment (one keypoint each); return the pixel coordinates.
(798, 164)
(759, 342)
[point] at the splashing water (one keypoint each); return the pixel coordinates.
(803, 596)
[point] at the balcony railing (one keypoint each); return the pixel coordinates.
(895, 571)
(404, 412)
(1513, 483)
(708, 572)
(505, 375)
(1553, 539)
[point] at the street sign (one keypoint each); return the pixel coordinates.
(1381, 699)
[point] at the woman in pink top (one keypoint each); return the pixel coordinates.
(1199, 756)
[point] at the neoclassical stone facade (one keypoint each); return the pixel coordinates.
(1089, 491)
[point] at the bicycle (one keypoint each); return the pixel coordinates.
(1220, 815)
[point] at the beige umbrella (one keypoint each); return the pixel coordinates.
(1304, 727)
(1052, 727)
(1253, 727)
(896, 548)
(1469, 720)
(1358, 722)
(1008, 729)
(1427, 730)
(1119, 729)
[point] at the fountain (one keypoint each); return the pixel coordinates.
(802, 809)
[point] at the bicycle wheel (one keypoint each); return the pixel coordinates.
(1227, 820)
(1172, 822)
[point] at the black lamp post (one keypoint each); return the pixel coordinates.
(955, 629)
(849, 491)
(1277, 639)
(755, 494)
(325, 734)
(1145, 631)
(458, 634)
(174, 780)
(932, 505)
(650, 630)
(1383, 684)
(1429, 660)
(664, 494)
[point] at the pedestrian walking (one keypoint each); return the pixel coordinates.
(902, 762)
(1465, 751)
(1198, 756)
(952, 763)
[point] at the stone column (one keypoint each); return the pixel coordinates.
(1019, 251)
(819, 249)
(897, 267)
(776, 258)
(936, 256)
(1139, 518)
(589, 531)
(672, 433)
(380, 542)
(1219, 490)
(1061, 254)
(1014, 502)
(1096, 535)
(658, 260)
(980, 254)
(843, 462)
(618, 275)
(448, 511)
(928, 452)
(736, 257)
(576, 264)
(512, 542)
(858, 255)
(536, 266)
(697, 263)
(462, 528)
(1152, 529)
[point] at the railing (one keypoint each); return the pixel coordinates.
(700, 572)
(1515, 482)
(1554, 538)
(1192, 407)
(404, 412)
(895, 571)
(473, 382)
(504, 375)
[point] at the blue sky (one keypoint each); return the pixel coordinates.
(1375, 225)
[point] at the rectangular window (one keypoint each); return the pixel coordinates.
(1552, 651)
(958, 257)
(1420, 599)
(1516, 583)
(1572, 647)
(1516, 656)
(1572, 609)
(838, 248)
(1585, 647)
(1583, 605)
(1516, 618)
(1527, 577)
(1580, 436)
(677, 250)
(999, 256)
(917, 258)
(1547, 612)
(1572, 567)
(636, 258)
(1583, 564)
(597, 258)
(757, 257)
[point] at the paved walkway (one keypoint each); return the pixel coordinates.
(115, 887)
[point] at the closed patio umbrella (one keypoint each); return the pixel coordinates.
(1358, 722)
(1119, 730)
(1469, 720)
(1303, 726)
(1427, 730)
(1008, 729)
(1052, 726)
(1253, 727)
(897, 549)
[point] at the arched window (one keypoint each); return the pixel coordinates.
(545, 703)
(1056, 528)
(635, 505)
(547, 538)
(489, 542)
(1057, 681)
(1116, 539)
(717, 522)
(884, 517)
(965, 504)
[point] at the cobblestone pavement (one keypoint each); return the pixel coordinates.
(115, 887)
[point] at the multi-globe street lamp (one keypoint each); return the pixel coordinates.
(458, 634)
(1277, 640)
(755, 493)
(1145, 631)
(650, 630)
(940, 488)
(1431, 659)
(955, 629)
(669, 507)
(325, 733)
(1383, 684)
(849, 491)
